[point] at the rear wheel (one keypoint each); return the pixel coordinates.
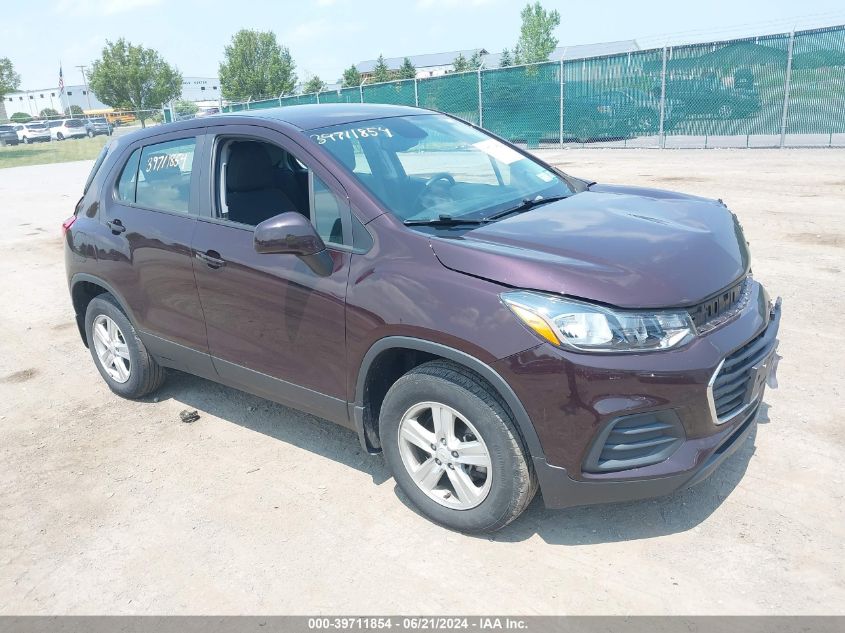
(90, 133)
(120, 356)
(26, 140)
(59, 136)
(454, 448)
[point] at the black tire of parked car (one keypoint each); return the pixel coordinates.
(514, 482)
(59, 136)
(90, 133)
(26, 140)
(145, 375)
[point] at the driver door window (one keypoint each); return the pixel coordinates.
(257, 180)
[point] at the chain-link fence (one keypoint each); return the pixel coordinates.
(767, 91)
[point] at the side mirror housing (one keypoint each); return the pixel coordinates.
(288, 233)
(291, 233)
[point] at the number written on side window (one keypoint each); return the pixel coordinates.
(164, 176)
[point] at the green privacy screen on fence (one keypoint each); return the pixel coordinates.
(773, 87)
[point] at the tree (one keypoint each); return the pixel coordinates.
(460, 63)
(475, 61)
(73, 110)
(407, 70)
(184, 108)
(315, 84)
(351, 77)
(255, 66)
(9, 79)
(505, 60)
(536, 35)
(134, 77)
(47, 113)
(381, 72)
(20, 117)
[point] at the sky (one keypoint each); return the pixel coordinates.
(326, 36)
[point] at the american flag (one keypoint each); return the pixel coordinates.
(61, 81)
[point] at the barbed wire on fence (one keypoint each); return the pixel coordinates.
(765, 90)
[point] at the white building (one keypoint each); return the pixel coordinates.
(32, 102)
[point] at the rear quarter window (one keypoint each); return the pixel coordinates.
(97, 164)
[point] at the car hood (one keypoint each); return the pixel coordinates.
(629, 247)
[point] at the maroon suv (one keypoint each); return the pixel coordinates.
(487, 322)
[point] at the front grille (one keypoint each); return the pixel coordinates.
(717, 309)
(635, 441)
(731, 386)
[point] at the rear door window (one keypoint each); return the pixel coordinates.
(164, 176)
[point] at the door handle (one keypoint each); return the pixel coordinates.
(211, 258)
(116, 226)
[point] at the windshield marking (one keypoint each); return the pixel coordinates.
(499, 151)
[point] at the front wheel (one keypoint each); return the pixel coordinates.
(26, 140)
(454, 448)
(59, 136)
(121, 358)
(90, 134)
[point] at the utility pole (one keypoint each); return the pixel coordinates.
(82, 68)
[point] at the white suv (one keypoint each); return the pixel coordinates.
(32, 132)
(68, 128)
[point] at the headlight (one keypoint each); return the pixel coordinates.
(591, 328)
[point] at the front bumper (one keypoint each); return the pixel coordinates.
(574, 399)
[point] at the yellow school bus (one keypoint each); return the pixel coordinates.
(115, 118)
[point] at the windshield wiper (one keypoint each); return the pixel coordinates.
(525, 205)
(444, 220)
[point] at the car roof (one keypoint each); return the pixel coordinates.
(298, 117)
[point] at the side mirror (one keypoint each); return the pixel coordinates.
(291, 233)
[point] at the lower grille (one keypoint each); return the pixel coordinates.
(635, 441)
(732, 384)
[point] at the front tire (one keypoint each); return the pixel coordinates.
(454, 449)
(120, 356)
(59, 136)
(26, 140)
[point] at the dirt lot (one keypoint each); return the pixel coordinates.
(112, 506)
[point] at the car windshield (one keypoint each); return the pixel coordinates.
(435, 168)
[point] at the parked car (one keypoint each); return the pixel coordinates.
(732, 96)
(489, 323)
(8, 136)
(32, 132)
(98, 125)
(208, 111)
(67, 128)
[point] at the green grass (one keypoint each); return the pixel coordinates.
(52, 152)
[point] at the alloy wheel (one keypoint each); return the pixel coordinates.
(111, 348)
(445, 455)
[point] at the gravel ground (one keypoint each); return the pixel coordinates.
(114, 506)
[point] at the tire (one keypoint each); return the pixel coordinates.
(90, 134)
(26, 140)
(59, 136)
(145, 375)
(509, 478)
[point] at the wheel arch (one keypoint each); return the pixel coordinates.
(85, 287)
(365, 412)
